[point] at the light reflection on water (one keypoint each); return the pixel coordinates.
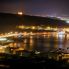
(40, 43)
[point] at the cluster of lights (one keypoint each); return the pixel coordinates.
(37, 27)
(3, 39)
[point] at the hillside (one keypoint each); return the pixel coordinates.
(8, 22)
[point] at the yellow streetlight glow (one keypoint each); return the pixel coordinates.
(33, 27)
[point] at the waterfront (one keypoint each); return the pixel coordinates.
(48, 44)
(33, 47)
(39, 42)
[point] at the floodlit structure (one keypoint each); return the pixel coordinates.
(20, 13)
(61, 34)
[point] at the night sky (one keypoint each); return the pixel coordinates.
(36, 7)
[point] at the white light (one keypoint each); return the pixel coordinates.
(3, 39)
(67, 21)
(61, 34)
(36, 52)
(20, 13)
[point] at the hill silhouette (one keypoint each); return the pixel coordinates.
(8, 22)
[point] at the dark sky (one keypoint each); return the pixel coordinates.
(36, 7)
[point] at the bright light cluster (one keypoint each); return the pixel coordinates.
(67, 21)
(3, 39)
(20, 13)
